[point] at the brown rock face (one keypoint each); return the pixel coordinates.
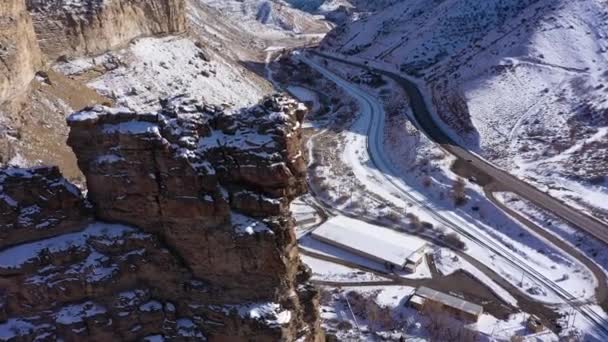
(19, 53)
(84, 27)
(191, 173)
(210, 253)
(38, 203)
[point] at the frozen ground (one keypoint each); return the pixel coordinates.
(447, 262)
(269, 19)
(478, 216)
(348, 319)
(305, 95)
(521, 82)
(329, 271)
(593, 249)
(546, 268)
(382, 313)
(152, 68)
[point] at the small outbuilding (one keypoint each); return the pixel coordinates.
(459, 307)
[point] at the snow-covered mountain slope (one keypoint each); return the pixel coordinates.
(154, 68)
(269, 18)
(522, 82)
(324, 6)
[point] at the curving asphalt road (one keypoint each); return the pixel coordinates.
(374, 113)
(500, 178)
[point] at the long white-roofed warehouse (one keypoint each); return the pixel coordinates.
(377, 243)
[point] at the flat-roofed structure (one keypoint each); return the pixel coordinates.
(461, 308)
(380, 244)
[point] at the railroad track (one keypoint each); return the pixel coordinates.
(379, 160)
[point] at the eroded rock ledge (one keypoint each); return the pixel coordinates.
(37, 203)
(201, 245)
(85, 27)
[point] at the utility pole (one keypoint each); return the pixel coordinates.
(352, 313)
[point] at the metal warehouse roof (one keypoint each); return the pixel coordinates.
(381, 243)
(450, 301)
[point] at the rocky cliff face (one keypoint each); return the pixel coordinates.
(205, 248)
(84, 27)
(190, 173)
(38, 203)
(19, 53)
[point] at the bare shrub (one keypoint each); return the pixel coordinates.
(344, 326)
(454, 241)
(574, 335)
(444, 327)
(414, 221)
(458, 192)
(426, 225)
(427, 181)
(392, 216)
(325, 296)
(365, 306)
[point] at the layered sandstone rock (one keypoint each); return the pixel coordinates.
(85, 27)
(19, 53)
(202, 245)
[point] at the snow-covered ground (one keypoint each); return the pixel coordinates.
(591, 247)
(482, 223)
(447, 262)
(153, 68)
(269, 19)
(347, 313)
(329, 271)
(513, 250)
(305, 95)
(382, 313)
(521, 82)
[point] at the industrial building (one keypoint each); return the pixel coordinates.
(461, 308)
(376, 243)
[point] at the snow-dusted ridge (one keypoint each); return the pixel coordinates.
(520, 82)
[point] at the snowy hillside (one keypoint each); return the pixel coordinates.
(153, 68)
(522, 82)
(269, 18)
(325, 6)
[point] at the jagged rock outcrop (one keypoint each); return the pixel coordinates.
(38, 203)
(85, 27)
(202, 245)
(19, 53)
(189, 172)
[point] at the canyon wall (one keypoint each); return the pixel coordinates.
(70, 28)
(88, 27)
(201, 244)
(19, 53)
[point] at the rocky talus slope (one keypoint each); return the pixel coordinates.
(19, 53)
(85, 27)
(201, 245)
